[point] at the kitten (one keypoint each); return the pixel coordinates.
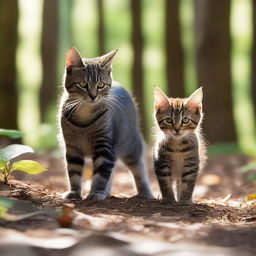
(179, 151)
(99, 119)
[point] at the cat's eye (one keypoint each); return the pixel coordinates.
(169, 120)
(83, 84)
(101, 85)
(185, 120)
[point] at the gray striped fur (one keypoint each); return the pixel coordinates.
(101, 124)
(179, 152)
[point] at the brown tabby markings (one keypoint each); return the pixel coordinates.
(179, 151)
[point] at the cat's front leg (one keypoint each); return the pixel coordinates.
(163, 171)
(75, 164)
(103, 162)
(188, 180)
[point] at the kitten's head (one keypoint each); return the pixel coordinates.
(178, 117)
(88, 79)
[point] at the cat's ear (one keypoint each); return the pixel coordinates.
(73, 58)
(196, 98)
(106, 60)
(161, 100)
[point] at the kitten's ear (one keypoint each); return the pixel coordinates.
(196, 98)
(106, 60)
(161, 100)
(73, 58)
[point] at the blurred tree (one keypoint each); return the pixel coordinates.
(65, 8)
(49, 49)
(174, 52)
(214, 68)
(8, 43)
(254, 56)
(137, 68)
(101, 29)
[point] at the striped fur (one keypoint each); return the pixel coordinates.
(100, 123)
(179, 151)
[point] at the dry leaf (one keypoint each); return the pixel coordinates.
(251, 197)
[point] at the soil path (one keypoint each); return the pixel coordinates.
(222, 222)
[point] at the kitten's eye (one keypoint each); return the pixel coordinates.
(101, 85)
(185, 120)
(83, 84)
(169, 120)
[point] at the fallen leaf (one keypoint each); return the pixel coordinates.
(66, 218)
(251, 197)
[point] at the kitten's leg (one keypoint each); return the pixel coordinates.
(163, 171)
(103, 162)
(140, 174)
(179, 187)
(75, 164)
(189, 176)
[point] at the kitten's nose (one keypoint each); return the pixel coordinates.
(177, 130)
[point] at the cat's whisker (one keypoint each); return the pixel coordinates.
(113, 102)
(72, 107)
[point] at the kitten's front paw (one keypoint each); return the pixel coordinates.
(186, 203)
(71, 195)
(96, 196)
(169, 201)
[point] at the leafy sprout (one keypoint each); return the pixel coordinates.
(14, 134)
(7, 154)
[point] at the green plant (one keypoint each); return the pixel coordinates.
(9, 153)
(251, 166)
(14, 134)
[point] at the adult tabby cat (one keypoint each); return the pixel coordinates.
(98, 119)
(179, 151)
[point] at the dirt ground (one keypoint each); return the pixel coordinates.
(222, 221)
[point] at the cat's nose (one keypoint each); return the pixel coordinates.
(93, 97)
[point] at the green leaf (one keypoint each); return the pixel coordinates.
(13, 151)
(14, 134)
(3, 166)
(28, 166)
(7, 203)
(249, 167)
(3, 212)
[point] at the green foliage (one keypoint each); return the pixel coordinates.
(3, 211)
(7, 154)
(14, 134)
(28, 166)
(12, 151)
(5, 205)
(251, 166)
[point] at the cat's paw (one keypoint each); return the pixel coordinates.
(169, 201)
(96, 196)
(144, 195)
(71, 195)
(186, 203)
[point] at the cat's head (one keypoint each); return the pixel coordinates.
(178, 117)
(89, 79)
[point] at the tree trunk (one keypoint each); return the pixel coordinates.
(254, 56)
(101, 30)
(214, 68)
(8, 43)
(49, 49)
(174, 53)
(137, 68)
